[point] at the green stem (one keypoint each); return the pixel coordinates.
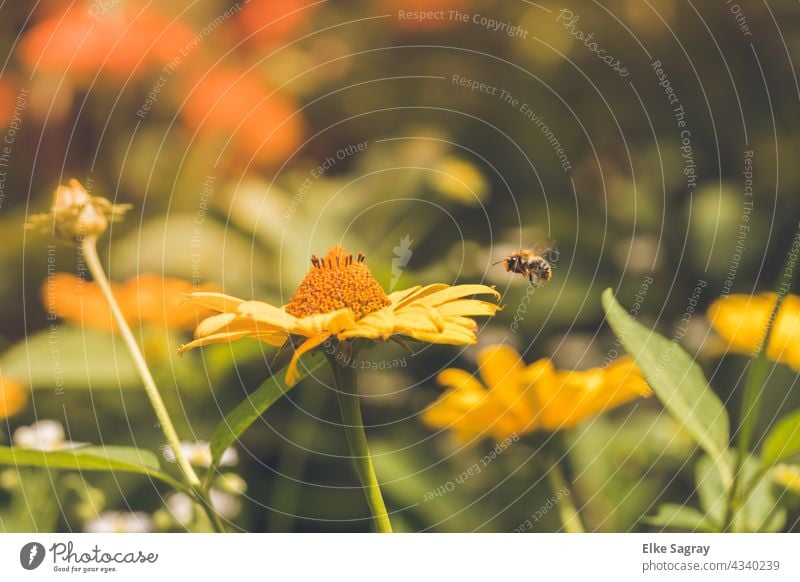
(751, 399)
(89, 249)
(357, 439)
(570, 518)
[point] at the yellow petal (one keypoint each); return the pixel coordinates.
(267, 314)
(217, 338)
(539, 377)
(214, 324)
(597, 390)
(468, 307)
(460, 380)
(332, 323)
(274, 339)
(457, 292)
(741, 319)
(13, 397)
(292, 373)
(455, 336)
(379, 324)
(502, 371)
(468, 408)
(420, 293)
(784, 344)
(398, 296)
(216, 301)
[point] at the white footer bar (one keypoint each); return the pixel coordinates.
(401, 557)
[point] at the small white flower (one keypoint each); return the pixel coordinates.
(199, 454)
(120, 522)
(227, 505)
(44, 435)
(182, 507)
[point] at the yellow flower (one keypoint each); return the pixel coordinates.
(13, 397)
(516, 399)
(787, 476)
(340, 298)
(742, 319)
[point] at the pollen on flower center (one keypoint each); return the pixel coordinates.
(337, 281)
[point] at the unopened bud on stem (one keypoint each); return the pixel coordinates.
(76, 214)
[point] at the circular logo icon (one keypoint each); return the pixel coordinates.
(31, 555)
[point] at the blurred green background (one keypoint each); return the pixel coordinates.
(249, 136)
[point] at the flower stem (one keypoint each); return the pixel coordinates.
(89, 249)
(570, 518)
(753, 391)
(357, 439)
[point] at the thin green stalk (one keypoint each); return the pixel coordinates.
(751, 399)
(354, 430)
(89, 249)
(570, 518)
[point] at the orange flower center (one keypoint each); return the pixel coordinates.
(337, 281)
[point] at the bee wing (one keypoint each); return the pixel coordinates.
(543, 246)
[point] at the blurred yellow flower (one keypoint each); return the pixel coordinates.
(788, 476)
(459, 180)
(742, 319)
(13, 397)
(516, 399)
(340, 298)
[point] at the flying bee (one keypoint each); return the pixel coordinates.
(531, 263)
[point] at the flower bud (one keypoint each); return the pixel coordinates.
(75, 214)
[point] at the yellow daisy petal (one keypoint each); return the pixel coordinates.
(468, 307)
(742, 320)
(459, 291)
(13, 397)
(216, 301)
(501, 369)
(214, 324)
(219, 338)
(292, 373)
(521, 399)
(399, 296)
(419, 293)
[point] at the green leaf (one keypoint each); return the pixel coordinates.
(252, 407)
(128, 459)
(68, 358)
(783, 441)
(675, 516)
(760, 511)
(711, 491)
(677, 381)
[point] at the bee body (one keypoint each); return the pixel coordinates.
(531, 263)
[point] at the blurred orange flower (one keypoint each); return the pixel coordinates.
(13, 397)
(6, 102)
(270, 23)
(80, 41)
(147, 299)
(264, 124)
